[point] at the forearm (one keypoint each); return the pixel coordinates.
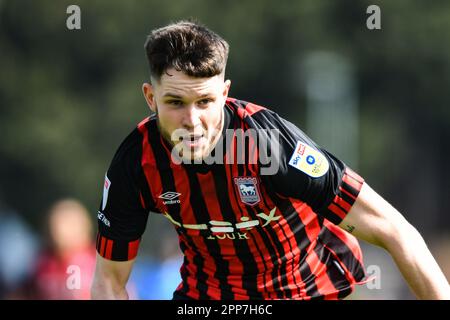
(105, 289)
(374, 220)
(110, 279)
(417, 265)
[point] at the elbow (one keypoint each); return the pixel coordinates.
(398, 234)
(100, 289)
(96, 290)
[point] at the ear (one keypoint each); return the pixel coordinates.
(149, 95)
(226, 88)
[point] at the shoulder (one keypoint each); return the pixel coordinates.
(254, 114)
(244, 108)
(268, 122)
(130, 149)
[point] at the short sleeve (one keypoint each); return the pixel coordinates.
(311, 174)
(122, 216)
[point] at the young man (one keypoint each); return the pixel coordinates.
(265, 215)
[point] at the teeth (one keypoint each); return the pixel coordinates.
(192, 138)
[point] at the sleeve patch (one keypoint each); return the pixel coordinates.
(309, 161)
(105, 192)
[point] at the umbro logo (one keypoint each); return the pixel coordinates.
(170, 196)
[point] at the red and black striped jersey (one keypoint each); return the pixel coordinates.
(244, 233)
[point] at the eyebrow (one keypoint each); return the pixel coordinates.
(176, 96)
(172, 95)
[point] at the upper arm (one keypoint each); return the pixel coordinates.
(373, 219)
(122, 216)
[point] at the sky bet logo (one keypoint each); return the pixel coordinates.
(300, 150)
(296, 160)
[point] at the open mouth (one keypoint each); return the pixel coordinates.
(193, 140)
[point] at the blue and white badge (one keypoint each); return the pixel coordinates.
(309, 160)
(248, 190)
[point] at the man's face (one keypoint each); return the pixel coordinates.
(189, 110)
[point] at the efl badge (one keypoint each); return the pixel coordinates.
(248, 190)
(309, 160)
(105, 192)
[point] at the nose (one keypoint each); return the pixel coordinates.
(191, 117)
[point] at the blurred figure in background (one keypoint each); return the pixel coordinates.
(18, 247)
(156, 276)
(65, 267)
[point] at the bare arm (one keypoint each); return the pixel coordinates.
(110, 279)
(374, 220)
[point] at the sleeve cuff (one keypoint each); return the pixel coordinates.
(343, 201)
(116, 250)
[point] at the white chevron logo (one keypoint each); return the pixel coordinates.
(170, 196)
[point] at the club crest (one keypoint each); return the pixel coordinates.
(248, 190)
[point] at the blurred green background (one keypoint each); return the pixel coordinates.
(69, 97)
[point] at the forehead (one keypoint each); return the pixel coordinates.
(178, 83)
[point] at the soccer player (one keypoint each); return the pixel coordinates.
(261, 211)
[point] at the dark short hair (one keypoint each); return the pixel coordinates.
(188, 47)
